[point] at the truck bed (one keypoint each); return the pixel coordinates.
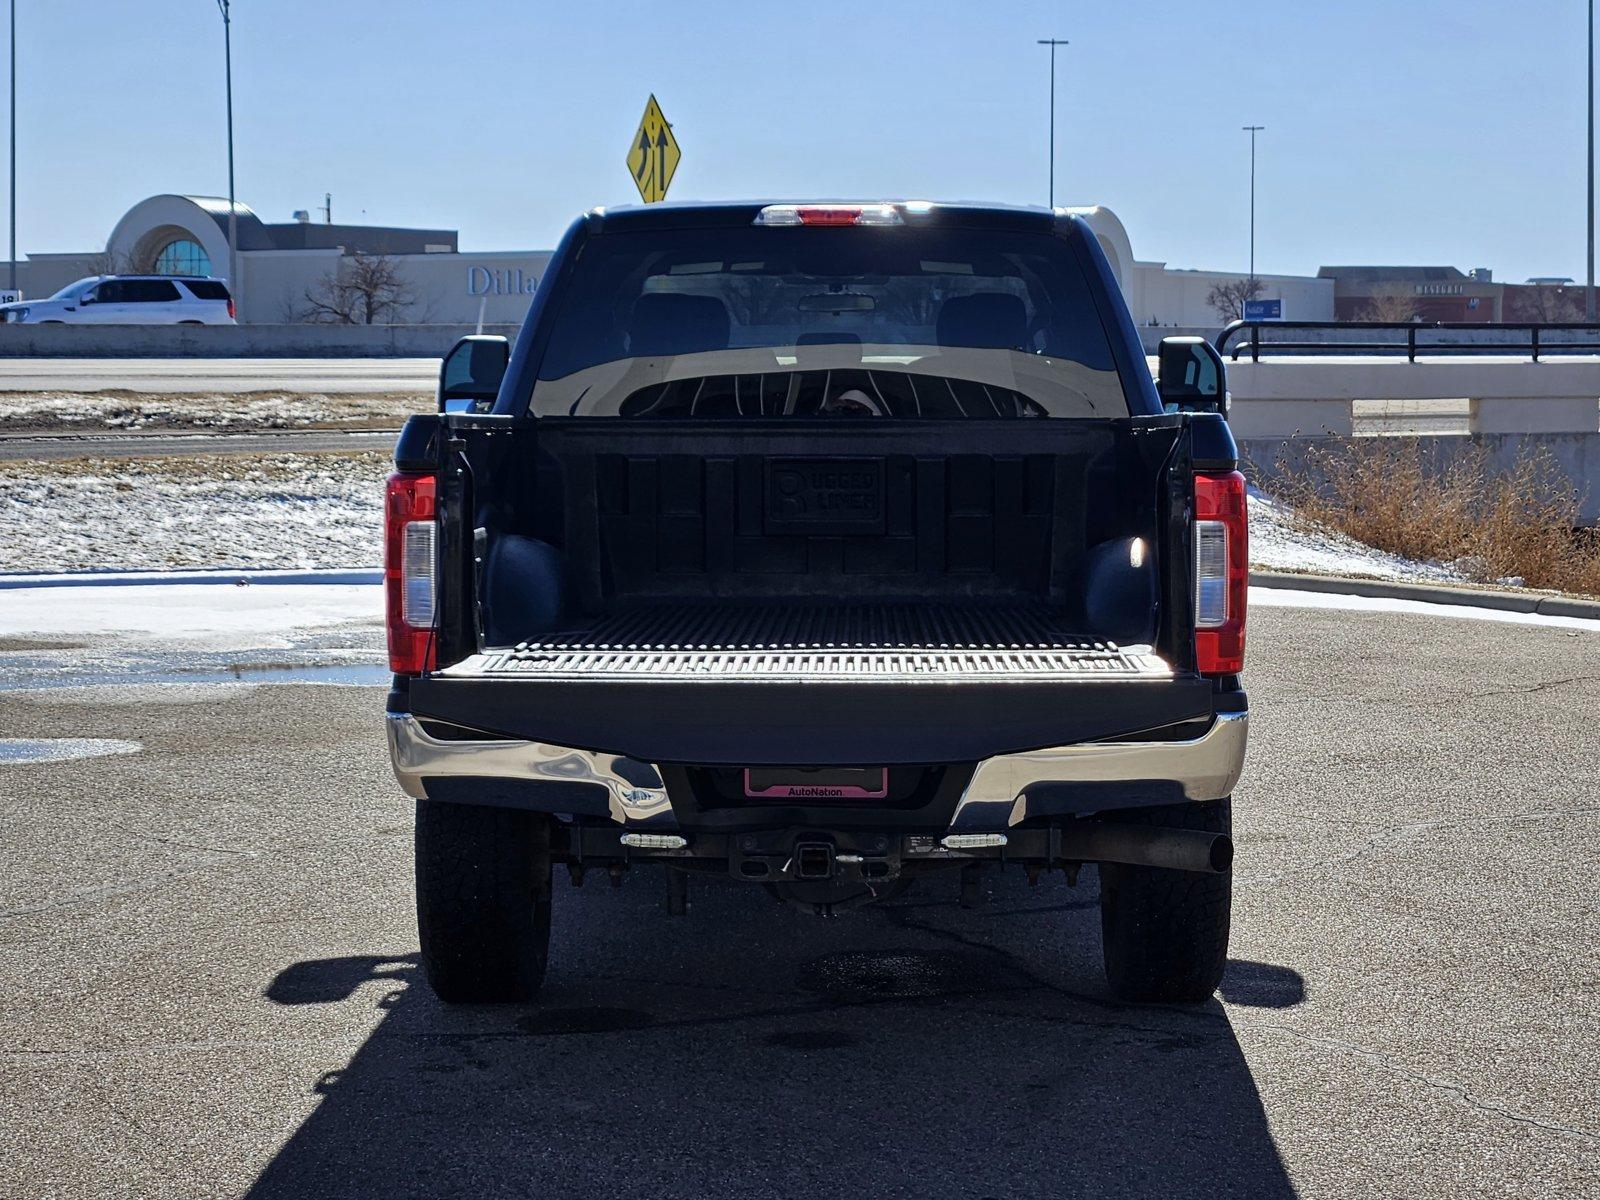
(850, 684)
(825, 593)
(814, 641)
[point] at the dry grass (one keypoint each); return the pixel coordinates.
(23, 413)
(1392, 494)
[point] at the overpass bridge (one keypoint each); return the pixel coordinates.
(1476, 395)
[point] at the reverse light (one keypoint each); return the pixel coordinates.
(1221, 572)
(1210, 574)
(418, 552)
(829, 214)
(410, 571)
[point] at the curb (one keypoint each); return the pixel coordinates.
(1431, 593)
(160, 578)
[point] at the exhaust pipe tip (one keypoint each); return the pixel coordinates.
(1221, 855)
(1148, 846)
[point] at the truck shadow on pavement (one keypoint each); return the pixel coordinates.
(912, 1049)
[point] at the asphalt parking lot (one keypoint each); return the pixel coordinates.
(208, 985)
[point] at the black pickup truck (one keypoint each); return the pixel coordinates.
(829, 548)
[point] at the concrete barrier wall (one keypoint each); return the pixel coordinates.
(1288, 397)
(235, 341)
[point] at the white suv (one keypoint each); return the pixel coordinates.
(129, 300)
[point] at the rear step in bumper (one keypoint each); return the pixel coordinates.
(1004, 790)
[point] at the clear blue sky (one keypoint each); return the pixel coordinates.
(1434, 131)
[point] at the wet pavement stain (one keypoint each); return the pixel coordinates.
(856, 976)
(342, 674)
(14, 751)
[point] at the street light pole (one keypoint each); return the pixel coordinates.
(1252, 130)
(1588, 293)
(13, 283)
(1053, 43)
(233, 208)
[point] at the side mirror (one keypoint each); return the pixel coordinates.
(469, 378)
(1191, 376)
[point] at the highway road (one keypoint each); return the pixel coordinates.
(209, 986)
(177, 445)
(169, 376)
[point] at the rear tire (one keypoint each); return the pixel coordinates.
(483, 901)
(1164, 934)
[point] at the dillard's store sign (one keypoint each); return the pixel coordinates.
(501, 281)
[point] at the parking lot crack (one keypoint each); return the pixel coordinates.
(1528, 690)
(1448, 1086)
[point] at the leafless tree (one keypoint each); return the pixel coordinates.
(1392, 302)
(363, 289)
(108, 262)
(1227, 299)
(1544, 302)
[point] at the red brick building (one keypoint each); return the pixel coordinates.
(1415, 293)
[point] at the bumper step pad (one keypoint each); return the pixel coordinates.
(876, 641)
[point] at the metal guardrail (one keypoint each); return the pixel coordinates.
(1534, 339)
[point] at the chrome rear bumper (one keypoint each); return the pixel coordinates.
(1205, 768)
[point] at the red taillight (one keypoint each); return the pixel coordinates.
(410, 571)
(1221, 572)
(232, 311)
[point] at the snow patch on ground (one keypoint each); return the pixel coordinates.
(1282, 541)
(189, 615)
(300, 511)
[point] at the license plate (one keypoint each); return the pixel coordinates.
(819, 783)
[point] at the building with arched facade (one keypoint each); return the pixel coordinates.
(1159, 295)
(282, 266)
(285, 267)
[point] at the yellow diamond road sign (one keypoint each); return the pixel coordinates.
(653, 154)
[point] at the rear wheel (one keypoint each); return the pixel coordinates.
(1164, 934)
(483, 901)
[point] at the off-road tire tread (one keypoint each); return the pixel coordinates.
(483, 901)
(1164, 934)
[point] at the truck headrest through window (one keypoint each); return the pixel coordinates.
(666, 323)
(983, 320)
